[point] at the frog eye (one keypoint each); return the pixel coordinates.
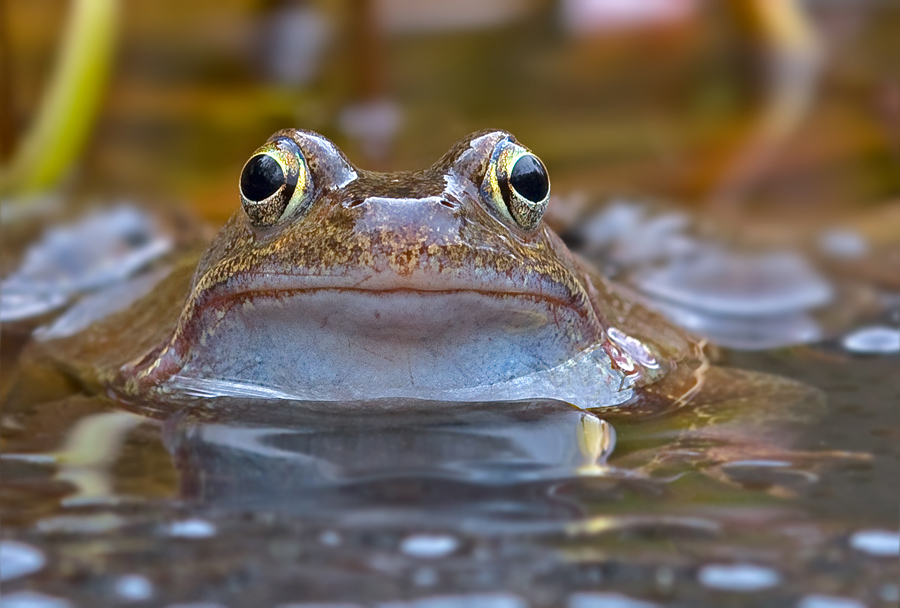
(274, 182)
(516, 184)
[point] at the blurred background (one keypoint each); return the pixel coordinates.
(784, 110)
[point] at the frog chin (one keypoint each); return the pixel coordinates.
(352, 345)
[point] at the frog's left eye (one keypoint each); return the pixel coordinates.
(274, 182)
(516, 184)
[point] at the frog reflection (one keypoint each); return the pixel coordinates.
(477, 461)
(428, 459)
(335, 284)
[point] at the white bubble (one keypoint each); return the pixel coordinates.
(18, 559)
(474, 600)
(317, 605)
(882, 543)
(606, 600)
(32, 599)
(828, 601)
(428, 546)
(876, 340)
(134, 588)
(738, 577)
(634, 347)
(191, 528)
(330, 538)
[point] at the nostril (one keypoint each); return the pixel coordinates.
(448, 204)
(355, 203)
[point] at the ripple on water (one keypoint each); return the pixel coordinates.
(881, 543)
(428, 546)
(33, 599)
(828, 601)
(875, 340)
(738, 577)
(18, 559)
(589, 599)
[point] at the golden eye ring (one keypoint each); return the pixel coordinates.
(516, 184)
(274, 183)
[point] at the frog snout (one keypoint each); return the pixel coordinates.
(401, 215)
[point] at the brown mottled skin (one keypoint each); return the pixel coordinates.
(452, 242)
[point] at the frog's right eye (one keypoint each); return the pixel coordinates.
(275, 182)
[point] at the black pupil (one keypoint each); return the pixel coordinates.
(529, 178)
(261, 178)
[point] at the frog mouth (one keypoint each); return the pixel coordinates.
(358, 343)
(391, 312)
(385, 300)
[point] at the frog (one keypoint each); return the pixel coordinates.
(333, 284)
(334, 290)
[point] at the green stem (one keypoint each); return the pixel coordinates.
(69, 107)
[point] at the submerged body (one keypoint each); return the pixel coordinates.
(335, 284)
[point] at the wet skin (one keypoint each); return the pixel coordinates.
(335, 284)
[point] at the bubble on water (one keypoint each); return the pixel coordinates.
(429, 546)
(725, 283)
(191, 528)
(101, 304)
(875, 340)
(133, 588)
(881, 543)
(828, 601)
(634, 347)
(330, 538)
(475, 600)
(738, 577)
(18, 559)
(100, 249)
(606, 600)
(33, 599)
(324, 605)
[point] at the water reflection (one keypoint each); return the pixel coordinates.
(432, 502)
(481, 464)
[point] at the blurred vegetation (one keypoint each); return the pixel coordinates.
(66, 111)
(656, 111)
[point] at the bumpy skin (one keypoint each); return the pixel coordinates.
(400, 248)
